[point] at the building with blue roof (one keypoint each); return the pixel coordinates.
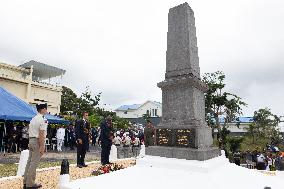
(152, 108)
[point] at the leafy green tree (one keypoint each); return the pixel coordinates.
(87, 102)
(120, 123)
(252, 132)
(222, 137)
(146, 117)
(69, 100)
(265, 125)
(234, 143)
(95, 120)
(104, 113)
(219, 103)
(99, 116)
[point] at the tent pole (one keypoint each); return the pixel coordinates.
(5, 131)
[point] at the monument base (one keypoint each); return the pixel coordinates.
(183, 153)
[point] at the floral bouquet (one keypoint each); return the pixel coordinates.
(107, 169)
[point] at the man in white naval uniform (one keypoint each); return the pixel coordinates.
(60, 134)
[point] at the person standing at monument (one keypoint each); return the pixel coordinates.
(126, 141)
(106, 138)
(37, 134)
(149, 134)
(237, 158)
(13, 133)
(60, 134)
(71, 136)
(260, 165)
(82, 130)
(25, 138)
(117, 142)
(136, 145)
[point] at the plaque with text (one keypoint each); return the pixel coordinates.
(164, 137)
(175, 137)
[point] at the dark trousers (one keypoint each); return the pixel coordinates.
(25, 144)
(237, 162)
(260, 166)
(71, 144)
(105, 154)
(12, 145)
(94, 141)
(88, 147)
(81, 152)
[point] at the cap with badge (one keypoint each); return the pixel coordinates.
(41, 106)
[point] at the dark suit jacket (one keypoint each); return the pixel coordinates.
(106, 132)
(80, 130)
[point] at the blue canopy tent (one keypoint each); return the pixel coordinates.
(14, 109)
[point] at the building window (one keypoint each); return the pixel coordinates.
(156, 112)
(125, 112)
(147, 112)
(153, 112)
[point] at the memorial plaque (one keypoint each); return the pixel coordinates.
(183, 137)
(164, 137)
(175, 137)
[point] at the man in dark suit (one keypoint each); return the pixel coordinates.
(71, 136)
(106, 139)
(82, 130)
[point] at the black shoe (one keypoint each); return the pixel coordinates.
(35, 186)
(84, 165)
(80, 166)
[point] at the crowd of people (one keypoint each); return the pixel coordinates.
(269, 159)
(127, 141)
(14, 137)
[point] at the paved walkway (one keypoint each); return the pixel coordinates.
(52, 156)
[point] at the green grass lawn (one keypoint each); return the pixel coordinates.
(10, 169)
(7, 170)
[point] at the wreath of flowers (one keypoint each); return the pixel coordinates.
(107, 169)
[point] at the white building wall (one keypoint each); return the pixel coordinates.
(129, 114)
(18, 82)
(152, 108)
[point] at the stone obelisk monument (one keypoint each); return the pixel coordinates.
(183, 132)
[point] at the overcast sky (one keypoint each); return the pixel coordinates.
(119, 47)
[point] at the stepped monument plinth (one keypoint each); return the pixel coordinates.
(183, 132)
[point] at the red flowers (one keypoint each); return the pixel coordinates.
(106, 169)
